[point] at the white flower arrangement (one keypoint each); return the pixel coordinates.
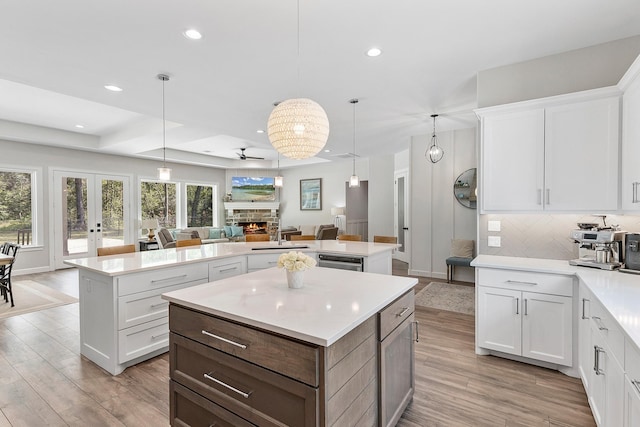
(295, 261)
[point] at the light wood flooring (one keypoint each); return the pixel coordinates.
(44, 380)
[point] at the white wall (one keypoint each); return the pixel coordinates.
(18, 154)
(436, 217)
(381, 188)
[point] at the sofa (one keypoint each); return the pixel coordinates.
(168, 237)
(322, 232)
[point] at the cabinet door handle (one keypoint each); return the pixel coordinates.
(217, 381)
(539, 196)
(601, 326)
(417, 331)
(517, 305)
(155, 337)
(636, 384)
(222, 270)
(634, 192)
(209, 334)
(160, 304)
(403, 312)
(526, 307)
(583, 309)
(518, 282)
(596, 361)
(548, 202)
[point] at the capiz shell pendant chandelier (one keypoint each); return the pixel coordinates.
(298, 128)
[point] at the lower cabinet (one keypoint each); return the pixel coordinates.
(534, 325)
(631, 403)
(585, 349)
(227, 267)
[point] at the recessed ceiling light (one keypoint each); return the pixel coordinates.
(260, 131)
(113, 88)
(327, 151)
(80, 126)
(373, 52)
(192, 34)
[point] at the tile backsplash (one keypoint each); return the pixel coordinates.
(542, 235)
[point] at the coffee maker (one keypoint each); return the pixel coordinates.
(632, 253)
(599, 248)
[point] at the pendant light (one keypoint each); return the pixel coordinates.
(298, 128)
(278, 180)
(164, 173)
(435, 152)
(354, 181)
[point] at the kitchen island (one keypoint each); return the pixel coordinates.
(123, 319)
(248, 350)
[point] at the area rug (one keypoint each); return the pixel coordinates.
(30, 296)
(447, 296)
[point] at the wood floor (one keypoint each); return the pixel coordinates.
(44, 380)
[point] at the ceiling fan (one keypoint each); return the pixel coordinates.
(243, 156)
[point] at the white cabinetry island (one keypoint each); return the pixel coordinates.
(251, 351)
(123, 320)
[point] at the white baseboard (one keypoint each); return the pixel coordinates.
(31, 271)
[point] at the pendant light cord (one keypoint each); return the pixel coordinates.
(298, 51)
(354, 102)
(164, 131)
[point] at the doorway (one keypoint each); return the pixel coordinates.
(90, 211)
(401, 215)
(357, 209)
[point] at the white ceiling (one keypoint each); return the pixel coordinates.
(56, 57)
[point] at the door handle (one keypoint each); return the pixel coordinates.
(596, 361)
(517, 305)
(405, 228)
(583, 309)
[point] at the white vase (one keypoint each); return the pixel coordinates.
(294, 279)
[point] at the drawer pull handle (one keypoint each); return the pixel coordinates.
(222, 270)
(403, 312)
(217, 381)
(182, 276)
(518, 282)
(417, 331)
(209, 334)
(160, 304)
(526, 307)
(601, 326)
(272, 262)
(583, 309)
(155, 337)
(636, 384)
(517, 305)
(596, 359)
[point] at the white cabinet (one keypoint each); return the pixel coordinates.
(630, 84)
(526, 314)
(554, 154)
(262, 261)
(632, 403)
(585, 349)
(227, 267)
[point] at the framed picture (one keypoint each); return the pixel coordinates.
(311, 194)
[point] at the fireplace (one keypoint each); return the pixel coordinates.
(254, 227)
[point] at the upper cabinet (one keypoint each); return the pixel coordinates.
(630, 85)
(553, 154)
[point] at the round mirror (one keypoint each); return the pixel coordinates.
(465, 188)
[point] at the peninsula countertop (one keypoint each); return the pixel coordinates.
(329, 305)
(618, 292)
(115, 265)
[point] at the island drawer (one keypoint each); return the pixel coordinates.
(393, 314)
(142, 339)
(262, 261)
(256, 394)
(291, 358)
(227, 267)
(544, 283)
(157, 279)
(191, 409)
(143, 307)
(609, 329)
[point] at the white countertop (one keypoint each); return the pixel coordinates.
(115, 265)
(331, 303)
(618, 292)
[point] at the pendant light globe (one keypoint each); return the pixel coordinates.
(435, 152)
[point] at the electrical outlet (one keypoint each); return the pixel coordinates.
(493, 225)
(494, 241)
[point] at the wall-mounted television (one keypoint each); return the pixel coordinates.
(249, 189)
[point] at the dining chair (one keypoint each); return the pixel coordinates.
(385, 239)
(303, 237)
(5, 272)
(352, 237)
(257, 238)
(188, 242)
(113, 250)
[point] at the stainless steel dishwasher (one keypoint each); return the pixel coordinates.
(341, 262)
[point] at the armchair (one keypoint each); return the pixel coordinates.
(327, 232)
(166, 239)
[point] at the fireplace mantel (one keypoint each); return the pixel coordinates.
(243, 206)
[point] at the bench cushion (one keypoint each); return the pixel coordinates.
(459, 261)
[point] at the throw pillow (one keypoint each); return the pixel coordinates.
(237, 231)
(215, 233)
(174, 233)
(195, 234)
(462, 248)
(227, 230)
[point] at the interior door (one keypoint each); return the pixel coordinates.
(90, 211)
(401, 216)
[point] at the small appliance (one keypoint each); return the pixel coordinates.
(632, 254)
(599, 248)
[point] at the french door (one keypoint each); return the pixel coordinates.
(90, 211)
(401, 215)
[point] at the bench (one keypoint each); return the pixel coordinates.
(456, 261)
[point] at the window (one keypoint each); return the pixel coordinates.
(200, 206)
(158, 200)
(17, 206)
